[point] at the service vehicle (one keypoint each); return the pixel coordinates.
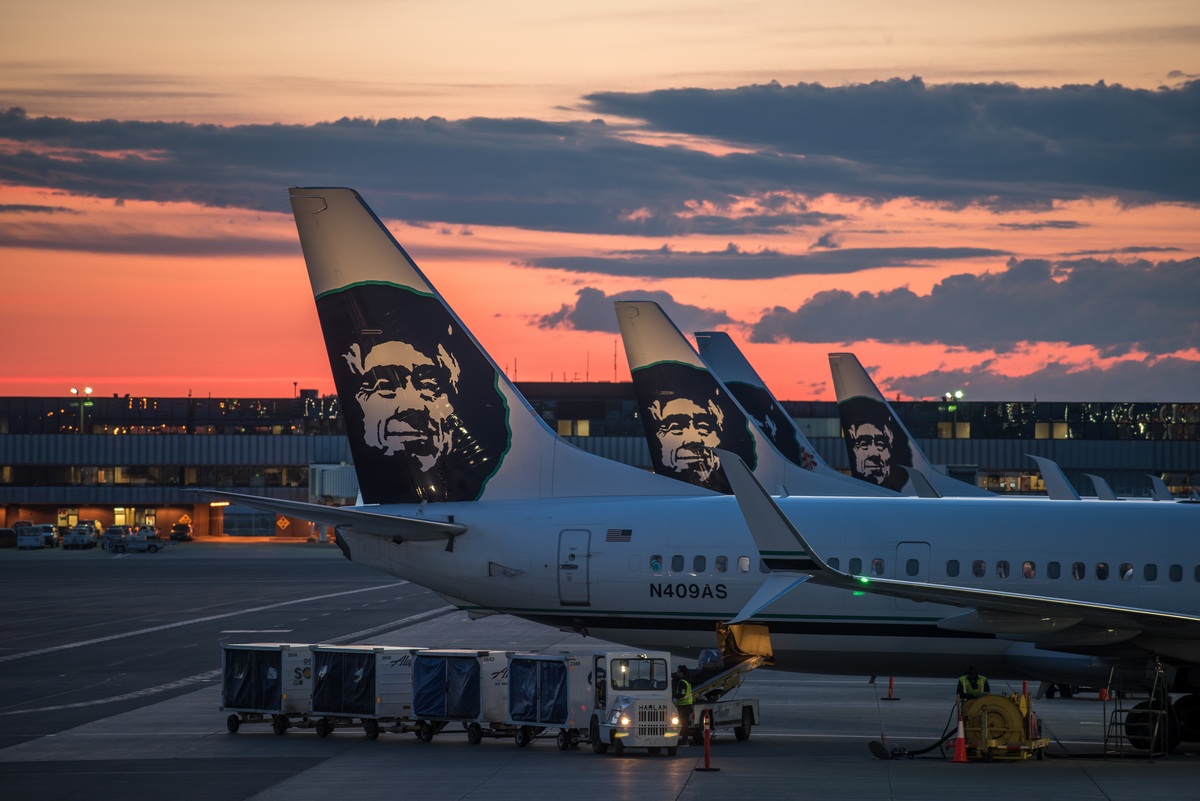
(136, 543)
(149, 532)
(469, 688)
(114, 538)
(632, 705)
(370, 683)
(717, 676)
(81, 537)
(182, 532)
(43, 535)
(266, 681)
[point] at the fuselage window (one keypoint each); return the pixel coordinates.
(1002, 569)
(656, 563)
(876, 567)
(722, 563)
(1029, 569)
(762, 566)
(743, 564)
(834, 563)
(1102, 571)
(1150, 572)
(1175, 572)
(912, 567)
(952, 568)
(677, 563)
(1053, 570)
(698, 564)
(1078, 570)
(979, 568)
(856, 568)
(1125, 571)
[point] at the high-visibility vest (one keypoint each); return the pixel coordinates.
(686, 697)
(968, 690)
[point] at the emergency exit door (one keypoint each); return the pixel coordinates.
(912, 564)
(573, 573)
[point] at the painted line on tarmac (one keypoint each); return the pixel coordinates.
(166, 626)
(162, 688)
(395, 624)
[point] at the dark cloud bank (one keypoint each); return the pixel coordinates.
(593, 311)
(1115, 306)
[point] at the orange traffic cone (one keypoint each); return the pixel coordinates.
(960, 745)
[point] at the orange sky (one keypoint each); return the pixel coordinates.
(246, 326)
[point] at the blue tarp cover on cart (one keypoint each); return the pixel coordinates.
(344, 683)
(446, 687)
(251, 679)
(538, 691)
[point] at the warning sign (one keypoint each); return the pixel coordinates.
(185, 520)
(283, 523)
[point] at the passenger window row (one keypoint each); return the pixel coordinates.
(855, 567)
(700, 564)
(1079, 570)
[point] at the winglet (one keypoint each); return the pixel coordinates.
(1103, 491)
(1057, 486)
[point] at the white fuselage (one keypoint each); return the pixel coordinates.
(516, 558)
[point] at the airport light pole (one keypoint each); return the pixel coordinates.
(87, 391)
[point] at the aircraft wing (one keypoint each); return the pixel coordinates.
(786, 551)
(355, 518)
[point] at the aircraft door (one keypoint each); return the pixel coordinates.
(573, 573)
(912, 564)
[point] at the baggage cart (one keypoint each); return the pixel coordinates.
(460, 686)
(368, 683)
(548, 691)
(266, 681)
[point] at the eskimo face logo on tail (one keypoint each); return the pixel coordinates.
(879, 451)
(423, 414)
(771, 420)
(687, 416)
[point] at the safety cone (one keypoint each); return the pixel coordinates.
(891, 696)
(960, 745)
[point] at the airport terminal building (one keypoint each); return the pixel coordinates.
(133, 461)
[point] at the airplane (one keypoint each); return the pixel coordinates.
(687, 412)
(468, 492)
(729, 364)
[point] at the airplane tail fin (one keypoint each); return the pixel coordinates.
(880, 448)
(429, 415)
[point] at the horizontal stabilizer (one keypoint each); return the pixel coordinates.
(1057, 486)
(354, 518)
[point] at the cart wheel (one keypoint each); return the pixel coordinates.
(233, 723)
(655, 751)
(618, 745)
(1039, 753)
(598, 747)
(672, 750)
(563, 740)
(153, 549)
(524, 737)
(573, 738)
(743, 732)
(425, 732)
(280, 724)
(371, 728)
(323, 727)
(474, 734)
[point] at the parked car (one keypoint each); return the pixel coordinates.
(49, 533)
(81, 537)
(113, 537)
(149, 532)
(182, 532)
(39, 536)
(94, 524)
(8, 538)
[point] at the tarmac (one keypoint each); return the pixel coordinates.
(109, 688)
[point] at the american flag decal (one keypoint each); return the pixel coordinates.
(619, 535)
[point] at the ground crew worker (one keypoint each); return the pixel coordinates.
(972, 685)
(683, 700)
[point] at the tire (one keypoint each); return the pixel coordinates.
(563, 740)
(474, 734)
(425, 732)
(654, 751)
(1187, 709)
(672, 750)
(524, 737)
(152, 549)
(598, 747)
(1139, 728)
(371, 728)
(743, 732)
(323, 727)
(233, 723)
(279, 724)
(618, 745)
(1039, 754)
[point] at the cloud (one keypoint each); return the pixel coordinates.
(958, 142)
(24, 208)
(732, 263)
(1041, 225)
(1130, 249)
(96, 239)
(1165, 380)
(1112, 305)
(593, 311)
(828, 240)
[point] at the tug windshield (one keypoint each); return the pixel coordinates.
(639, 674)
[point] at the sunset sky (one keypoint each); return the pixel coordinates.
(1000, 199)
